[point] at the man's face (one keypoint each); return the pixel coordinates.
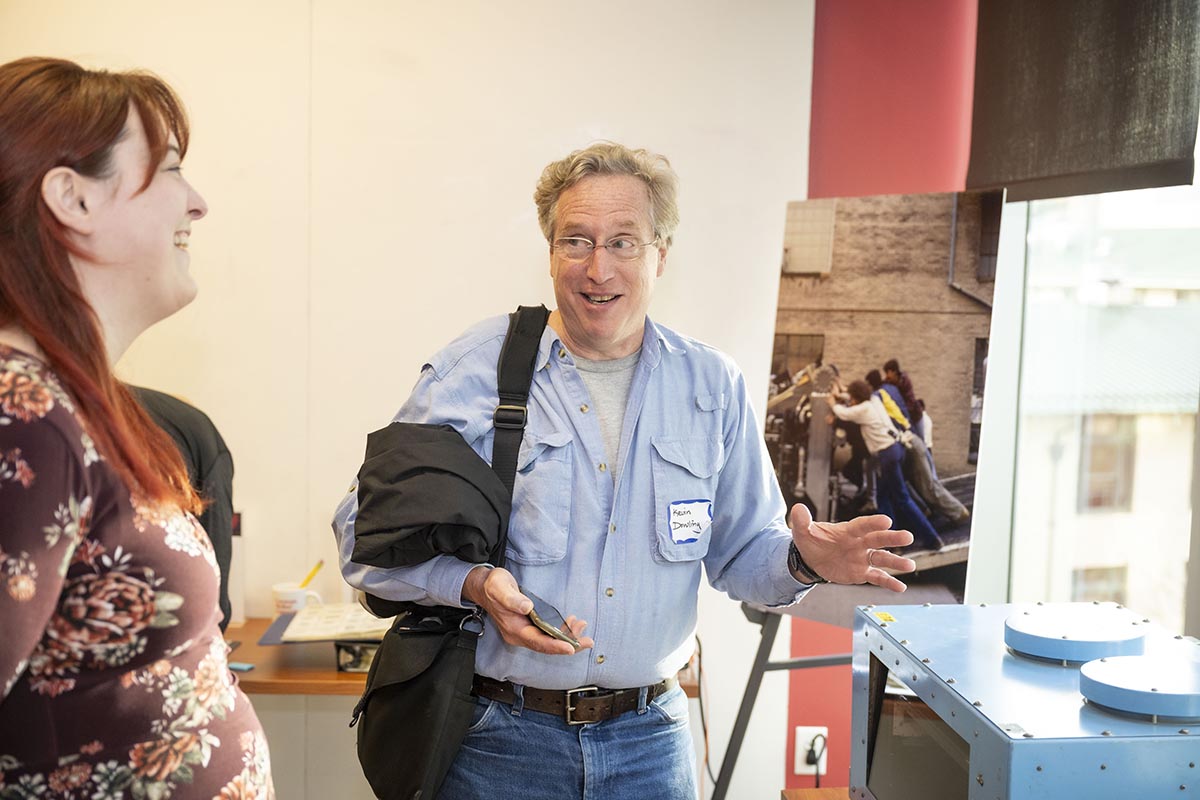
(891, 376)
(602, 300)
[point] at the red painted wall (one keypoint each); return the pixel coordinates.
(891, 96)
(820, 697)
(891, 114)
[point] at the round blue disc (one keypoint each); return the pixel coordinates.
(1075, 631)
(1150, 685)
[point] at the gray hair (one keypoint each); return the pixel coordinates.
(610, 158)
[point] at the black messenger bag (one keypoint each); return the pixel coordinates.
(417, 704)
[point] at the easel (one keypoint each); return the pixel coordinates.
(817, 473)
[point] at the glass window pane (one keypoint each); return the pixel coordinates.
(1110, 387)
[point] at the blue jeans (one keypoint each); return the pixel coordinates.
(897, 503)
(515, 752)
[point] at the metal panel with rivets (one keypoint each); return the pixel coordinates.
(1019, 721)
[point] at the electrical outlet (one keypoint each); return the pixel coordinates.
(804, 740)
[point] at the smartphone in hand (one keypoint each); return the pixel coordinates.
(549, 620)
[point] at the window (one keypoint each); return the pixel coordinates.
(808, 237)
(1099, 584)
(990, 204)
(1108, 387)
(793, 352)
(978, 379)
(1106, 462)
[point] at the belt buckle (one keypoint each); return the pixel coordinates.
(568, 708)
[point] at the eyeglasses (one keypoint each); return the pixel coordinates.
(577, 248)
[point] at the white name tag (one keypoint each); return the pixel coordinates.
(689, 519)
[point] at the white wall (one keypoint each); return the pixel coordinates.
(369, 168)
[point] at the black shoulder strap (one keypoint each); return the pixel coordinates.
(514, 374)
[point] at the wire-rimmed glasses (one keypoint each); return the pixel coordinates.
(579, 248)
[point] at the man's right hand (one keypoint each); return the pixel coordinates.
(497, 593)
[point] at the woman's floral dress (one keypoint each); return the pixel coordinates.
(113, 676)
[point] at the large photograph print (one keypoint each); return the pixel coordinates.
(879, 364)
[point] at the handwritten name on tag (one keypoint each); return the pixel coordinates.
(689, 519)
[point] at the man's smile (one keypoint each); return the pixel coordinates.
(599, 299)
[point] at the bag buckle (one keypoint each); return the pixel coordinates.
(472, 623)
(568, 708)
(510, 417)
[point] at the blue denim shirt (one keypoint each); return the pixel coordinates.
(696, 486)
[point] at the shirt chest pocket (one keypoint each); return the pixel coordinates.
(537, 532)
(685, 481)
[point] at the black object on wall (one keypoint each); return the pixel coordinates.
(1084, 96)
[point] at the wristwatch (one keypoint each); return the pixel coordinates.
(796, 564)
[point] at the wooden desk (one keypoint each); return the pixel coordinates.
(815, 794)
(310, 668)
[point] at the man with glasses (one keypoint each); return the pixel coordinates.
(641, 460)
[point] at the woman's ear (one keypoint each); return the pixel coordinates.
(69, 198)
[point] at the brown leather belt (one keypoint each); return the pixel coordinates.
(576, 706)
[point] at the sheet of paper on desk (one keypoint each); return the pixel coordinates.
(316, 623)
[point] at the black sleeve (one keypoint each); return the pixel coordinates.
(210, 470)
(217, 488)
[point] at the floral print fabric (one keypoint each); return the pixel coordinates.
(114, 683)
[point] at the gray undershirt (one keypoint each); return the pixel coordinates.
(608, 385)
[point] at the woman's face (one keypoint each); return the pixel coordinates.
(140, 241)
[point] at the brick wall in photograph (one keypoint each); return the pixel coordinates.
(887, 295)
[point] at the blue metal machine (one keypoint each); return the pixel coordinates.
(1022, 702)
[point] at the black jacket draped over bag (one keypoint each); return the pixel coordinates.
(422, 492)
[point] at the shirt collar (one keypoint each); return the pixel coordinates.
(654, 341)
(549, 344)
(655, 337)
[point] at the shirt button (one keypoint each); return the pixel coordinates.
(612, 528)
(562, 353)
(603, 467)
(599, 659)
(608, 592)
(584, 408)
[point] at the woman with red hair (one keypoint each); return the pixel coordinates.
(113, 674)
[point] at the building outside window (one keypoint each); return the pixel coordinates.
(1109, 393)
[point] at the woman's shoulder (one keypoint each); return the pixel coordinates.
(35, 408)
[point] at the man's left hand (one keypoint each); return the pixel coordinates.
(851, 552)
